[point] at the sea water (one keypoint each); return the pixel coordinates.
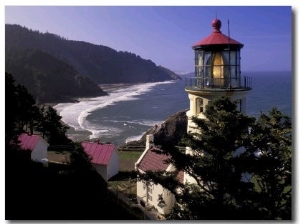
(129, 111)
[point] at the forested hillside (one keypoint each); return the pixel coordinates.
(100, 63)
(47, 78)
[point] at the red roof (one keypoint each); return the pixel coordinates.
(154, 161)
(100, 153)
(217, 38)
(28, 142)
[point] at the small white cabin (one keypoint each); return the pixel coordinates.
(105, 158)
(36, 144)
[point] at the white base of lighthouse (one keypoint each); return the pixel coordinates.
(200, 99)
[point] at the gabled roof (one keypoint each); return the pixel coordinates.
(28, 142)
(100, 153)
(153, 161)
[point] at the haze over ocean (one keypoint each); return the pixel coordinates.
(130, 110)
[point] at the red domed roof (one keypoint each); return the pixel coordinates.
(216, 37)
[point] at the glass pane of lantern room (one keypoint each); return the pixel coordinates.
(238, 57)
(207, 58)
(196, 64)
(207, 68)
(218, 70)
(200, 58)
(200, 64)
(225, 55)
(233, 58)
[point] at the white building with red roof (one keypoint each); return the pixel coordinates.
(151, 193)
(36, 144)
(105, 158)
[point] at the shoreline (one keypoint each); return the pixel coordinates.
(84, 135)
(78, 136)
(71, 133)
(113, 87)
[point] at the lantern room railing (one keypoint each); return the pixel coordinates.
(195, 83)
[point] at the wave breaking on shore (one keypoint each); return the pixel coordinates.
(75, 114)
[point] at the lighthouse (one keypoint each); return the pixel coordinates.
(217, 73)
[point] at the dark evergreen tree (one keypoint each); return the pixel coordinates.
(241, 166)
(21, 110)
(79, 160)
(271, 164)
(26, 105)
(40, 121)
(219, 191)
(11, 110)
(53, 128)
(22, 114)
(16, 161)
(83, 185)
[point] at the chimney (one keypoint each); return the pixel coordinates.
(149, 141)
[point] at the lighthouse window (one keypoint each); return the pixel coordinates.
(200, 105)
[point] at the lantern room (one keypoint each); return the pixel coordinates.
(217, 63)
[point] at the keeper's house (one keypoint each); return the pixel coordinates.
(147, 192)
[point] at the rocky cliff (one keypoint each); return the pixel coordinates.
(172, 129)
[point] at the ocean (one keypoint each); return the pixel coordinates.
(130, 110)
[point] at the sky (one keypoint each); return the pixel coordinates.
(165, 34)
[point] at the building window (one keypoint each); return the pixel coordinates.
(149, 192)
(149, 196)
(200, 105)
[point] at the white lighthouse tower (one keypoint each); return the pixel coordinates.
(217, 73)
